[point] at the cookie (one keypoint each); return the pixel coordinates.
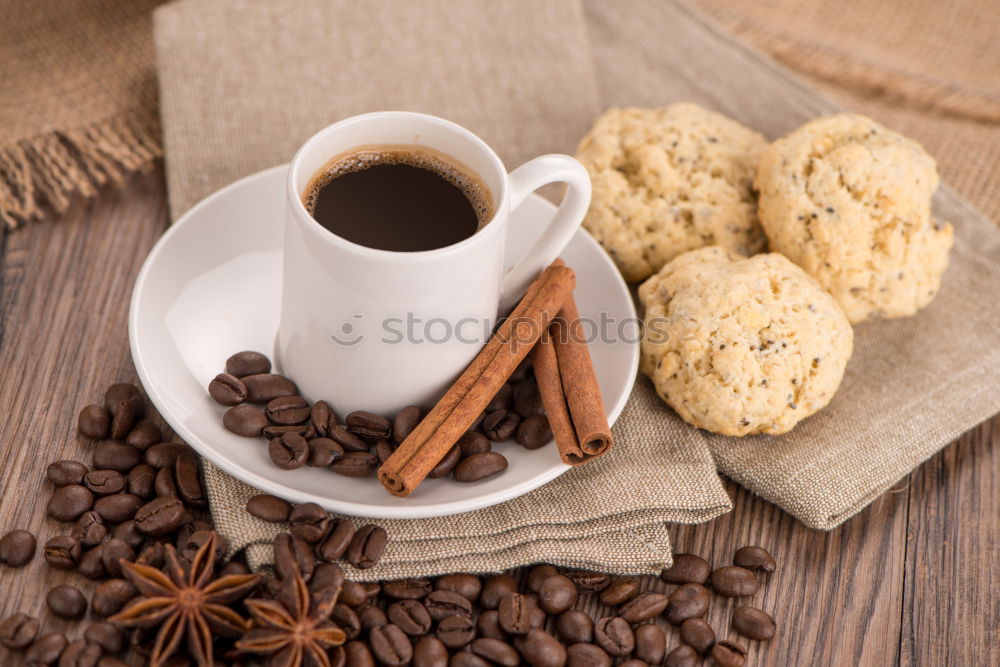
(670, 180)
(742, 345)
(850, 202)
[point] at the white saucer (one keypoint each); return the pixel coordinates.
(211, 287)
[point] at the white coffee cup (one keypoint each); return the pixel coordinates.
(377, 330)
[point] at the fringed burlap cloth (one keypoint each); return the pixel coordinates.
(244, 83)
(77, 100)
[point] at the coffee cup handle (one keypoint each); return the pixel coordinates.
(523, 181)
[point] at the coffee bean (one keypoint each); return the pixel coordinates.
(292, 554)
(390, 646)
(17, 548)
(144, 435)
(245, 420)
(124, 414)
(337, 540)
(164, 485)
(500, 425)
(556, 594)
(406, 589)
(347, 440)
(405, 421)
(368, 425)
(538, 617)
(265, 387)
(533, 432)
(488, 625)
(619, 591)
(497, 651)
(467, 585)
(540, 649)
(496, 589)
(353, 594)
(589, 582)
(305, 430)
(687, 601)
(238, 568)
(165, 454)
(643, 607)
(109, 637)
(90, 564)
(755, 558)
(69, 502)
(116, 393)
(288, 410)
(733, 581)
(227, 389)
(366, 547)
(528, 400)
(687, 569)
(325, 587)
(446, 465)
(111, 455)
(128, 532)
(159, 516)
(355, 464)
(729, 654)
(682, 656)
(473, 442)
(94, 422)
(502, 400)
(650, 644)
(479, 466)
(66, 602)
(308, 521)
(356, 654)
(323, 452)
(288, 452)
(456, 631)
(62, 552)
(614, 635)
(753, 623)
(430, 652)
(467, 659)
(111, 596)
(139, 481)
(587, 655)
(441, 604)
(515, 614)
(373, 617)
(113, 552)
(46, 649)
(18, 631)
(246, 363)
(117, 508)
(187, 476)
(698, 634)
(411, 616)
(79, 653)
(104, 482)
(269, 508)
(90, 529)
(347, 620)
(65, 472)
(575, 627)
(538, 574)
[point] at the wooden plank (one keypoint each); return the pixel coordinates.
(951, 602)
(66, 288)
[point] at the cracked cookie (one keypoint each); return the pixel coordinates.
(849, 201)
(741, 345)
(670, 180)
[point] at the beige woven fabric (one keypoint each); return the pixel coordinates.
(77, 100)
(239, 96)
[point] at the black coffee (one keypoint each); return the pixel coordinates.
(401, 200)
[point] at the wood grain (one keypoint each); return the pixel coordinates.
(911, 580)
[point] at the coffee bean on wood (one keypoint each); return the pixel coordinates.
(18, 631)
(753, 623)
(144, 435)
(66, 602)
(104, 482)
(17, 548)
(160, 516)
(68, 502)
(643, 607)
(62, 552)
(112, 455)
(90, 529)
(65, 472)
(698, 634)
(734, 581)
(46, 649)
(650, 644)
(729, 654)
(682, 656)
(687, 569)
(755, 558)
(94, 422)
(687, 601)
(619, 591)
(574, 627)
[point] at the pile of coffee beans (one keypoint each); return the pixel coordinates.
(137, 494)
(264, 404)
(312, 530)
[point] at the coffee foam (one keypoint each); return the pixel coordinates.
(423, 157)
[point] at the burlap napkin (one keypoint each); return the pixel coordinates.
(243, 84)
(77, 100)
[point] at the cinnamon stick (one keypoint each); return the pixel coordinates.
(428, 443)
(579, 382)
(546, 368)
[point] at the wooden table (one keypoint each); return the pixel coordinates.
(912, 580)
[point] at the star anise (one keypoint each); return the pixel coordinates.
(293, 629)
(186, 602)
